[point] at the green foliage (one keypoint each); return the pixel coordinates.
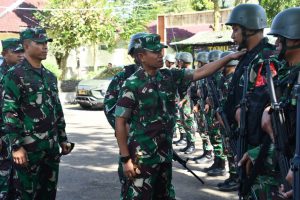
(273, 7)
(202, 4)
(53, 67)
(77, 26)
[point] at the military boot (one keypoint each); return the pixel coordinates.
(185, 148)
(191, 148)
(205, 158)
(213, 166)
(181, 141)
(219, 170)
(230, 184)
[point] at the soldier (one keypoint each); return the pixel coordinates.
(198, 109)
(285, 27)
(248, 22)
(218, 166)
(170, 61)
(230, 184)
(184, 105)
(33, 120)
(147, 99)
(12, 52)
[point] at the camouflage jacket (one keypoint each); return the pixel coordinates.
(112, 92)
(284, 83)
(223, 86)
(32, 112)
(149, 103)
(3, 70)
(257, 88)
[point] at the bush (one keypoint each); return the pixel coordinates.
(69, 85)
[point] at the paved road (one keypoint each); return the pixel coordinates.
(90, 171)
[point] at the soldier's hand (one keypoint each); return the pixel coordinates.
(20, 156)
(237, 55)
(247, 162)
(206, 108)
(195, 108)
(129, 170)
(66, 148)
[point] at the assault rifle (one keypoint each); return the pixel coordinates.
(202, 106)
(296, 160)
(279, 128)
(183, 163)
(217, 106)
(242, 145)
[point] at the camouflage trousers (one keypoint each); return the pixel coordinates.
(229, 154)
(154, 183)
(38, 180)
(7, 173)
(186, 124)
(266, 184)
(215, 135)
(200, 120)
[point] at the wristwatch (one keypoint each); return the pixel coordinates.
(124, 159)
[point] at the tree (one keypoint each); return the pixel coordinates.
(202, 4)
(273, 7)
(73, 23)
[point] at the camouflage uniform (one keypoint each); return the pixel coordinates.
(148, 102)
(257, 100)
(33, 119)
(6, 177)
(5, 156)
(213, 124)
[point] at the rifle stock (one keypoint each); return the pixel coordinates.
(177, 158)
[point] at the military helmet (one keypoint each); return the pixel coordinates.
(250, 16)
(232, 62)
(132, 41)
(214, 55)
(202, 57)
(177, 55)
(186, 57)
(170, 58)
(286, 24)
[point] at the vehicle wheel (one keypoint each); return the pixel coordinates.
(85, 106)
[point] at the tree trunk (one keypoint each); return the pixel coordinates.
(61, 60)
(217, 15)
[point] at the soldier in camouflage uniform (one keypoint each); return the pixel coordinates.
(218, 166)
(248, 22)
(186, 117)
(112, 93)
(33, 120)
(12, 52)
(147, 99)
(285, 27)
(231, 183)
(199, 95)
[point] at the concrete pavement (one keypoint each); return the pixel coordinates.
(90, 171)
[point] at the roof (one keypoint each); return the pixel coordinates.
(217, 38)
(207, 38)
(14, 21)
